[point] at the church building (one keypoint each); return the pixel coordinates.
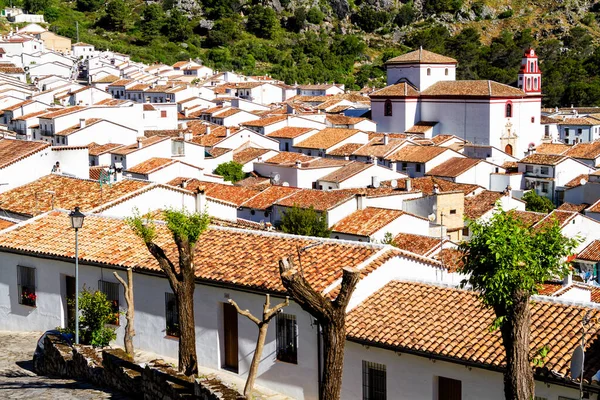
(424, 96)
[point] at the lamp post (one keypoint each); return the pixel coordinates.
(76, 223)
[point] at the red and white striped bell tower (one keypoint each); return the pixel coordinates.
(530, 76)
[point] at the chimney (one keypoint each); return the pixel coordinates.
(386, 139)
(227, 132)
(200, 200)
(373, 160)
(409, 185)
(183, 184)
(259, 159)
(187, 136)
(567, 280)
(186, 112)
(208, 129)
(298, 164)
(508, 191)
(139, 143)
(360, 201)
(81, 123)
(436, 188)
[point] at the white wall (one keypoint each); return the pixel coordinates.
(102, 132)
(341, 211)
(154, 199)
(27, 170)
(73, 161)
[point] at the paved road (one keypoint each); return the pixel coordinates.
(17, 380)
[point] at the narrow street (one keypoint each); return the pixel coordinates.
(18, 381)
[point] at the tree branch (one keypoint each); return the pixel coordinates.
(271, 312)
(303, 293)
(350, 278)
(245, 313)
(165, 264)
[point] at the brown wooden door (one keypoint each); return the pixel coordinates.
(230, 327)
(449, 389)
(70, 280)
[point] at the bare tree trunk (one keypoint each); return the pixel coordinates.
(263, 326)
(330, 314)
(518, 378)
(188, 360)
(129, 315)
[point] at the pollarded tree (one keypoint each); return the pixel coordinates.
(186, 229)
(331, 315)
(506, 262)
(129, 314)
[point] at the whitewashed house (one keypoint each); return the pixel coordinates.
(358, 175)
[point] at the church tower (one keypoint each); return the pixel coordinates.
(530, 76)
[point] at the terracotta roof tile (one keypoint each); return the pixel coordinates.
(573, 207)
(594, 207)
(124, 150)
(472, 88)
(265, 121)
(231, 194)
(421, 57)
(34, 198)
(422, 127)
(327, 138)
(477, 206)
(319, 200)
(402, 89)
(586, 151)
(107, 79)
(367, 221)
(121, 82)
(543, 159)
(545, 120)
(96, 171)
(75, 128)
(345, 149)
(62, 112)
(439, 139)
(289, 132)
(289, 158)
(560, 216)
(248, 154)
(343, 120)
(346, 172)
(426, 184)
(591, 252)
(243, 258)
(12, 151)
(218, 151)
(30, 115)
(578, 121)
(151, 165)
(255, 182)
(416, 154)
(418, 244)
(434, 321)
(529, 218)
(552, 148)
(376, 147)
(454, 167)
(452, 259)
(95, 149)
(18, 105)
(269, 196)
(577, 180)
(5, 224)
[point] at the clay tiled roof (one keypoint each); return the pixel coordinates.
(18, 105)
(422, 127)
(416, 154)
(5, 224)
(591, 252)
(418, 244)
(426, 184)
(230, 194)
(289, 158)
(151, 165)
(265, 121)
(586, 151)
(327, 138)
(421, 57)
(124, 150)
(319, 200)
(376, 148)
(75, 128)
(289, 132)
(454, 167)
(30, 115)
(477, 206)
(367, 221)
(398, 90)
(121, 82)
(345, 149)
(269, 196)
(529, 218)
(472, 88)
(560, 216)
(62, 112)
(578, 121)
(243, 258)
(218, 151)
(96, 171)
(346, 172)
(552, 148)
(544, 120)
(435, 321)
(452, 259)
(595, 208)
(573, 207)
(248, 154)
(98, 149)
(343, 120)
(543, 159)
(255, 182)
(577, 180)
(34, 198)
(11, 70)
(107, 79)
(549, 288)
(12, 151)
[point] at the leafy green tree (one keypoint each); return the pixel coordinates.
(297, 21)
(537, 203)
(506, 262)
(117, 15)
(36, 6)
(262, 22)
(369, 19)
(440, 6)
(231, 171)
(305, 221)
(177, 27)
(153, 19)
(406, 15)
(314, 16)
(89, 5)
(186, 229)
(224, 32)
(96, 312)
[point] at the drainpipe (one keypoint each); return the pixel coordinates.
(319, 359)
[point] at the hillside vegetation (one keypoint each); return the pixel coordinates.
(347, 41)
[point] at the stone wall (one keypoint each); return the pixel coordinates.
(113, 368)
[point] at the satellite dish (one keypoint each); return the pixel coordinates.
(394, 183)
(582, 182)
(285, 184)
(576, 363)
(431, 217)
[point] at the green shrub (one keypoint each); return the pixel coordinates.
(505, 14)
(305, 221)
(537, 203)
(314, 16)
(231, 171)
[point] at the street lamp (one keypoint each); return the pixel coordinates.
(76, 223)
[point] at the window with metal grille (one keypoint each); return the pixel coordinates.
(171, 316)
(387, 110)
(418, 168)
(449, 389)
(374, 381)
(111, 291)
(287, 338)
(26, 285)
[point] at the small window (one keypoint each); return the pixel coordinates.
(387, 111)
(532, 120)
(374, 381)
(26, 285)
(266, 214)
(171, 316)
(529, 169)
(579, 131)
(252, 212)
(508, 110)
(404, 166)
(544, 170)
(446, 72)
(452, 212)
(163, 114)
(111, 291)
(287, 338)
(449, 389)
(418, 167)
(465, 231)
(566, 131)
(428, 71)
(544, 187)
